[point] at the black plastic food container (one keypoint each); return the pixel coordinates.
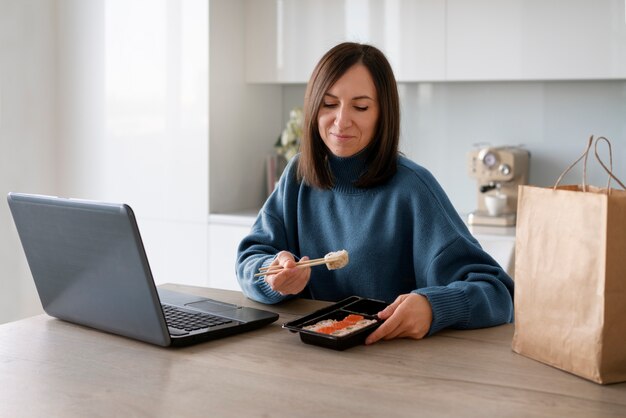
(368, 308)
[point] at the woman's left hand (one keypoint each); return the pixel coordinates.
(408, 316)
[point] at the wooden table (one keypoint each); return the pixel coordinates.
(52, 368)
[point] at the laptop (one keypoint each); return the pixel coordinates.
(90, 268)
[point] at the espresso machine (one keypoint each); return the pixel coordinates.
(498, 172)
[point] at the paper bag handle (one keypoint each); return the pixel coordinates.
(609, 171)
(585, 154)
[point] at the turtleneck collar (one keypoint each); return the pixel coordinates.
(347, 170)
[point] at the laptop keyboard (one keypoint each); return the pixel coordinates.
(191, 321)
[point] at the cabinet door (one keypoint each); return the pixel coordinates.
(223, 241)
(412, 35)
(286, 38)
(535, 39)
(502, 250)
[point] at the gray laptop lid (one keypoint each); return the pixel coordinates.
(89, 266)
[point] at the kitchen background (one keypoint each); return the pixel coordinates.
(173, 105)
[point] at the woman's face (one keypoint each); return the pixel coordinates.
(349, 112)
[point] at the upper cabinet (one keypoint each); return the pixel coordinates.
(442, 40)
(286, 38)
(536, 40)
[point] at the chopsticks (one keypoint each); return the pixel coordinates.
(264, 271)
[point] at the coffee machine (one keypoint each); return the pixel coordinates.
(498, 172)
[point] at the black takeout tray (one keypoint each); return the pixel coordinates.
(368, 308)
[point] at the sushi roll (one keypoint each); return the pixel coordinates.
(336, 259)
(349, 324)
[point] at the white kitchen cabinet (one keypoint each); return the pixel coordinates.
(177, 250)
(437, 40)
(286, 38)
(499, 243)
(225, 234)
(535, 40)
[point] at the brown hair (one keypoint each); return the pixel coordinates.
(382, 152)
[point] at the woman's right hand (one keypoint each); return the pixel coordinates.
(290, 280)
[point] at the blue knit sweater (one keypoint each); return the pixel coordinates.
(403, 236)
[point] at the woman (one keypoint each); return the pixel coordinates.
(349, 188)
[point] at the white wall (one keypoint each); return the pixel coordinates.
(133, 80)
(552, 119)
(27, 134)
(127, 82)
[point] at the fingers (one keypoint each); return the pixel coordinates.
(389, 327)
(284, 259)
(389, 310)
(409, 316)
(289, 280)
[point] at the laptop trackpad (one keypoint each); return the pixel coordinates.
(211, 306)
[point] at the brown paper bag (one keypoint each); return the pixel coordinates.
(570, 277)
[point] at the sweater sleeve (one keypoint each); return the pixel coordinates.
(269, 235)
(467, 288)
(256, 250)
